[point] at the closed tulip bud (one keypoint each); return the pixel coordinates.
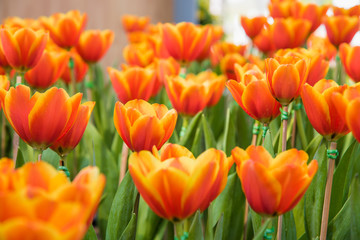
(349, 57)
(280, 9)
(352, 118)
(309, 11)
(253, 26)
(17, 22)
(220, 49)
(227, 64)
(132, 23)
(142, 125)
(139, 54)
(191, 183)
(273, 186)
(264, 41)
(341, 29)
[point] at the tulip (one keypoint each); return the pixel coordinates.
(184, 41)
(139, 54)
(221, 49)
(93, 44)
(273, 186)
(23, 47)
(42, 118)
(322, 109)
(48, 70)
(191, 183)
(349, 57)
(264, 41)
(353, 11)
(71, 139)
(38, 202)
(132, 83)
(322, 45)
(341, 29)
(3, 61)
(214, 35)
(142, 125)
(80, 69)
(65, 29)
(133, 23)
(158, 46)
(280, 9)
(310, 12)
(352, 118)
(227, 64)
(253, 26)
(285, 77)
(16, 22)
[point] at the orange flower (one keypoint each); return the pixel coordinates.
(352, 118)
(17, 22)
(93, 44)
(142, 125)
(191, 184)
(281, 9)
(48, 206)
(322, 109)
(133, 23)
(220, 49)
(273, 186)
(253, 26)
(184, 41)
(317, 65)
(264, 41)
(192, 94)
(23, 47)
(309, 11)
(3, 61)
(285, 77)
(41, 119)
(4, 82)
(353, 11)
(139, 54)
(341, 29)
(289, 32)
(71, 139)
(227, 64)
(214, 35)
(251, 81)
(80, 69)
(65, 29)
(322, 45)
(48, 70)
(349, 58)
(132, 83)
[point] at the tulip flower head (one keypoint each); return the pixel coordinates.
(322, 45)
(341, 29)
(353, 11)
(40, 119)
(139, 54)
(253, 26)
(221, 49)
(352, 118)
(39, 202)
(227, 64)
(191, 183)
(349, 57)
(133, 23)
(273, 186)
(309, 11)
(23, 47)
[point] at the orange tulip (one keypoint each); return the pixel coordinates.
(133, 23)
(48, 70)
(227, 64)
(41, 119)
(80, 69)
(309, 11)
(4, 82)
(191, 184)
(155, 40)
(289, 32)
(184, 41)
(142, 125)
(285, 77)
(17, 22)
(280, 9)
(65, 29)
(264, 41)
(191, 95)
(220, 49)
(23, 47)
(214, 35)
(341, 29)
(322, 45)
(352, 118)
(253, 26)
(349, 58)
(317, 65)
(71, 139)
(3, 61)
(38, 202)
(132, 83)
(273, 186)
(322, 109)
(353, 11)
(139, 54)
(93, 44)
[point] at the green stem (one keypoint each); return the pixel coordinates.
(339, 71)
(72, 75)
(184, 126)
(90, 82)
(38, 154)
(181, 229)
(300, 126)
(255, 132)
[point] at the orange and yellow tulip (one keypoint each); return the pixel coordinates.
(221, 49)
(353, 11)
(132, 83)
(4, 82)
(132, 23)
(273, 186)
(326, 115)
(341, 29)
(184, 41)
(253, 26)
(42, 118)
(309, 11)
(264, 41)
(349, 57)
(71, 139)
(23, 47)
(80, 69)
(214, 35)
(3, 61)
(142, 125)
(51, 206)
(352, 118)
(48, 70)
(65, 29)
(285, 77)
(192, 183)
(93, 44)
(322, 45)
(17, 22)
(139, 54)
(280, 9)
(227, 64)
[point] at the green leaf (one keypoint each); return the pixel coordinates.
(229, 134)
(122, 208)
(255, 220)
(314, 196)
(198, 144)
(313, 146)
(51, 157)
(27, 151)
(288, 226)
(190, 132)
(339, 227)
(130, 230)
(219, 228)
(19, 159)
(148, 222)
(354, 167)
(242, 127)
(210, 141)
(268, 143)
(355, 208)
(90, 234)
(195, 232)
(260, 233)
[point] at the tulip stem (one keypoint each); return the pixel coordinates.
(38, 154)
(300, 124)
(3, 136)
(180, 230)
(279, 229)
(293, 134)
(72, 75)
(184, 126)
(246, 214)
(123, 164)
(16, 136)
(339, 71)
(265, 129)
(255, 132)
(90, 83)
(332, 154)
